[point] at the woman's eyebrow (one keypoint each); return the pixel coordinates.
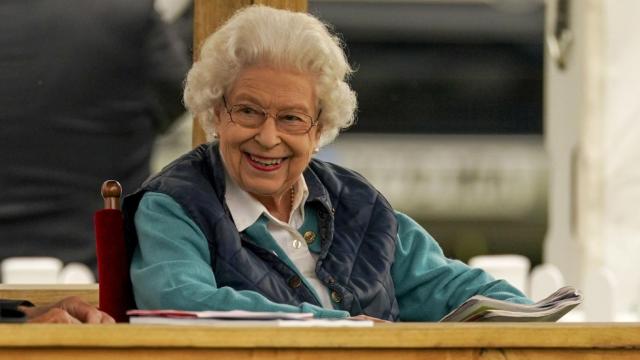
(245, 96)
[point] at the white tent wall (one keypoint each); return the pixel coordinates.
(620, 167)
(592, 136)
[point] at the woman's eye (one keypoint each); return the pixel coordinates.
(291, 118)
(248, 110)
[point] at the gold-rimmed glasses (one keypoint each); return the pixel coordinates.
(253, 116)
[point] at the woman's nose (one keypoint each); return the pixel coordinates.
(268, 134)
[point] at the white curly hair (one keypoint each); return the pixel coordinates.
(282, 39)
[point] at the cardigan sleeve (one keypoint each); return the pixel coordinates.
(428, 285)
(171, 266)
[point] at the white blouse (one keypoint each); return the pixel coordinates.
(246, 210)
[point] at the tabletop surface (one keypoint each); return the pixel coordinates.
(399, 335)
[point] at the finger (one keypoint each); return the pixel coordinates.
(56, 316)
(107, 319)
(80, 309)
(72, 320)
(95, 316)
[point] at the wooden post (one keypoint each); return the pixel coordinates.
(209, 15)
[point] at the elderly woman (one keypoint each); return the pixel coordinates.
(251, 221)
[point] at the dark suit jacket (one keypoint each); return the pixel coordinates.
(84, 87)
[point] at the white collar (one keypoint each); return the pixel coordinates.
(246, 210)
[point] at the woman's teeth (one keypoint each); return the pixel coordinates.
(266, 162)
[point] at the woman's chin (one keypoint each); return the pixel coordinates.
(264, 190)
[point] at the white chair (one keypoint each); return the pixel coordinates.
(30, 270)
(600, 293)
(76, 273)
(544, 280)
(512, 268)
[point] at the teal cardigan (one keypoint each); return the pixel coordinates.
(171, 269)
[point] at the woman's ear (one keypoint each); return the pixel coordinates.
(217, 111)
(318, 132)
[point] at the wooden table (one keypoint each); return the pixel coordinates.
(543, 341)
(386, 341)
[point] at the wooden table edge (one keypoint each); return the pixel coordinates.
(391, 336)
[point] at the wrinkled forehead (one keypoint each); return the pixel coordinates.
(271, 87)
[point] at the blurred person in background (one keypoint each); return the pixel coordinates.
(251, 221)
(86, 87)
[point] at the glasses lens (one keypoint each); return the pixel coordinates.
(294, 122)
(247, 115)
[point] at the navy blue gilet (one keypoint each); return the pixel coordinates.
(357, 228)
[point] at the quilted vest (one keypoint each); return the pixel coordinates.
(357, 229)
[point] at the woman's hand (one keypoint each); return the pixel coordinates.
(71, 310)
(367, 317)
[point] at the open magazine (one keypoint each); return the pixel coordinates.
(482, 308)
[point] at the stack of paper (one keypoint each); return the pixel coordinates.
(481, 308)
(237, 318)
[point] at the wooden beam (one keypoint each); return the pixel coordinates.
(47, 294)
(209, 15)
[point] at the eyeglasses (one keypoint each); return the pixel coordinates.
(253, 116)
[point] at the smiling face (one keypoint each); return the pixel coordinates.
(264, 161)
